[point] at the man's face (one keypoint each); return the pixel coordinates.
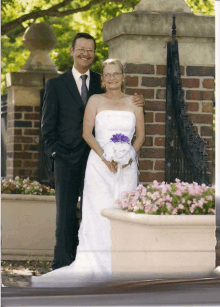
(83, 54)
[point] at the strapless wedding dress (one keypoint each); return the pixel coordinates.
(93, 260)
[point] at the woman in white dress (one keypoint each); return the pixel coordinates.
(112, 113)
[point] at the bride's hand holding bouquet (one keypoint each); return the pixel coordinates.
(118, 153)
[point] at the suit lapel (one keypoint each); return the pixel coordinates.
(94, 84)
(71, 84)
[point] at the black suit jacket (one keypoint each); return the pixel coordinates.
(62, 116)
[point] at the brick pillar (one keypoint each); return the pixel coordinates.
(139, 40)
(23, 123)
(23, 107)
(23, 141)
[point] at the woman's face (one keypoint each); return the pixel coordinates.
(112, 77)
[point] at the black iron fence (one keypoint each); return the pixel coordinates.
(186, 155)
(3, 134)
(45, 166)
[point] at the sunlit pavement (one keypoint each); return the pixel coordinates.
(185, 292)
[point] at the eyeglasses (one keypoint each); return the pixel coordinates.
(114, 75)
(82, 50)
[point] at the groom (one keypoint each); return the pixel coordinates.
(61, 127)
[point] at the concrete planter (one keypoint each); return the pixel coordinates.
(159, 246)
(28, 226)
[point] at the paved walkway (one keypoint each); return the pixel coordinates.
(15, 280)
(24, 280)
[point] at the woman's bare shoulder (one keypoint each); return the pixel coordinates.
(129, 101)
(95, 100)
(96, 97)
(127, 96)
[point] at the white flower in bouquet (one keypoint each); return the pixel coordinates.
(119, 149)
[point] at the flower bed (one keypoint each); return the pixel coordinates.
(170, 199)
(25, 186)
(173, 236)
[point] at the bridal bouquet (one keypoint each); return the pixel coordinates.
(119, 150)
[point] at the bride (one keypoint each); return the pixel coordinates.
(115, 119)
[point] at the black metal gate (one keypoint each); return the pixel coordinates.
(3, 134)
(45, 167)
(186, 155)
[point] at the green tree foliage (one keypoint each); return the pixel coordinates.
(202, 6)
(66, 17)
(14, 55)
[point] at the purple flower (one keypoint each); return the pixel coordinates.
(119, 137)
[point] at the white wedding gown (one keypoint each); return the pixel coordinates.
(93, 260)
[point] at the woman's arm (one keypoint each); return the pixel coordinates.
(140, 128)
(88, 125)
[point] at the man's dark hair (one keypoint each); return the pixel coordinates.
(85, 35)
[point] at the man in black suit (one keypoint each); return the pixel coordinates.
(61, 127)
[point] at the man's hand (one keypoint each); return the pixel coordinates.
(138, 100)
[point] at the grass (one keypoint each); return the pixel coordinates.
(30, 267)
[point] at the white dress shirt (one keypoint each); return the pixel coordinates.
(77, 75)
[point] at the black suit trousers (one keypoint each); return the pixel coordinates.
(69, 180)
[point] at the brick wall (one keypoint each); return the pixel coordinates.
(23, 132)
(150, 80)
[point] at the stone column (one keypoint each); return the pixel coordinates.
(139, 39)
(23, 108)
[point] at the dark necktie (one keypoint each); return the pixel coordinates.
(84, 90)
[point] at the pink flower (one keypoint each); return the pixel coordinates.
(168, 198)
(153, 197)
(174, 212)
(212, 210)
(169, 206)
(164, 189)
(144, 192)
(180, 206)
(146, 210)
(155, 184)
(191, 191)
(140, 187)
(154, 209)
(178, 193)
(191, 210)
(143, 199)
(209, 197)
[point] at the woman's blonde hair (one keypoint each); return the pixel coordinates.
(117, 63)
